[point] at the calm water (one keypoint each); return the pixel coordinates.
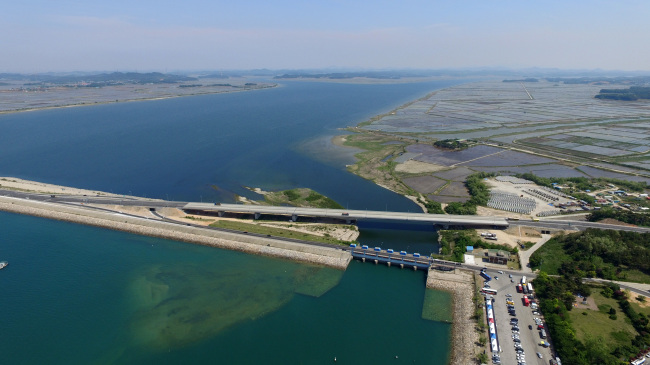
(185, 148)
(76, 294)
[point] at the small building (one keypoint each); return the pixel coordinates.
(469, 248)
(495, 256)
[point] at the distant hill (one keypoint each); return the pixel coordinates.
(630, 94)
(530, 79)
(102, 79)
(599, 80)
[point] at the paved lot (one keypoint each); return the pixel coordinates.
(529, 338)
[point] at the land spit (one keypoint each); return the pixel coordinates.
(330, 257)
(463, 335)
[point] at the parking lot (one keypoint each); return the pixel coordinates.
(530, 338)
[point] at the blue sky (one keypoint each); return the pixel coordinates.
(90, 35)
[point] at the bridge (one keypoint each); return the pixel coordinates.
(402, 259)
(443, 220)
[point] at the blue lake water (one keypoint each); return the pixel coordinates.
(75, 294)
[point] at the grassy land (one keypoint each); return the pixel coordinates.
(638, 308)
(552, 256)
(301, 198)
(592, 323)
(635, 276)
(527, 245)
(371, 163)
(277, 232)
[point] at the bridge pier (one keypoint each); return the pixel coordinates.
(388, 263)
(401, 266)
(220, 213)
(415, 268)
(363, 259)
(257, 216)
(294, 217)
(376, 262)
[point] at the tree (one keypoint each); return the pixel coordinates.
(482, 340)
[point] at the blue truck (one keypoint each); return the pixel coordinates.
(485, 276)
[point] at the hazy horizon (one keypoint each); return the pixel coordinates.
(71, 35)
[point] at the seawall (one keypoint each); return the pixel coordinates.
(463, 334)
(331, 257)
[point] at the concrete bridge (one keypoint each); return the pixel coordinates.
(441, 220)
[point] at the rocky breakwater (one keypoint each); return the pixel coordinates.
(463, 335)
(331, 257)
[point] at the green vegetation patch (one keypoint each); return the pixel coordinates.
(610, 335)
(277, 232)
(630, 94)
(479, 191)
(302, 197)
(608, 254)
(599, 322)
(626, 216)
(454, 244)
(451, 144)
(550, 256)
(583, 183)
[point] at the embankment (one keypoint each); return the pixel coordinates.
(331, 257)
(463, 335)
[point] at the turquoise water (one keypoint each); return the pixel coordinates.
(77, 295)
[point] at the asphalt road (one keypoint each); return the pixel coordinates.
(141, 202)
(77, 200)
(580, 225)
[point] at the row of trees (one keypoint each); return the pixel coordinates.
(631, 93)
(451, 144)
(583, 183)
(626, 216)
(479, 192)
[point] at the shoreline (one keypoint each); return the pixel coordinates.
(127, 100)
(324, 256)
(463, 335)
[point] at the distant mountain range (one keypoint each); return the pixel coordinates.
(103, 79)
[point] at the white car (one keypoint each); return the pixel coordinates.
(500, 272)
(539, 355)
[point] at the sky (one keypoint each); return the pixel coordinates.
(163, 35)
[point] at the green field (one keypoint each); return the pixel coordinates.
(277, 232)
(552, 255)
(590, 323)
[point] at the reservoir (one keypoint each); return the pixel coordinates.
(77, 294)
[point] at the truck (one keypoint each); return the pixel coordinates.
(523, 280)
(530, 288)
(485, 276)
